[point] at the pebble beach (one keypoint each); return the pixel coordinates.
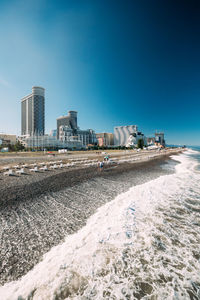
(39, 209)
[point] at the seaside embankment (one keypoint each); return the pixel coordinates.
(39, 210)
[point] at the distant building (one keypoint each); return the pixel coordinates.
(49, 142)
(33, 112)
(134, 138)
(70, 121)
(128, 136)
(7, 139)
(53, 133)
(122, 133)
(105, 139)
(159, 139)
(86, 137)
(151, 140)
(67, 130)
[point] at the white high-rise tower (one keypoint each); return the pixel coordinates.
(33, 112)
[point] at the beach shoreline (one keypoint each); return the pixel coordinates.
(38, 215)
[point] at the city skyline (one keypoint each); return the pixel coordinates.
(116, 63)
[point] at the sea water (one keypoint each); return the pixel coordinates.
(145, 244)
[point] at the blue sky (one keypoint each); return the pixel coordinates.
(115, 62)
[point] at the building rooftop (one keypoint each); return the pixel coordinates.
(125, 126)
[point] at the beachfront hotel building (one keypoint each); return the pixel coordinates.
(151, 140)
(7, 139)
(105, 139)
(33, 113)
(49, 142)
(68, 130)
(53, 133)
(128, 136)
(122, 134)
(86, 137)
(159, 138)
(70, 121)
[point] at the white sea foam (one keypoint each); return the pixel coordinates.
(141, 244)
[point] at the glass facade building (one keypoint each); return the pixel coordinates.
(33, 112)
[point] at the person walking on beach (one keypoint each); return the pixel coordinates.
(100, 164)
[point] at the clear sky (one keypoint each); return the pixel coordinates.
(117, 62)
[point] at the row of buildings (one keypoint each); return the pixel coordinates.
(68, 134)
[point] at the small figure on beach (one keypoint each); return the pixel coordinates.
(100, 165)
(106, 158)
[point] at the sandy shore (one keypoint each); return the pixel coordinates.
(39, 210)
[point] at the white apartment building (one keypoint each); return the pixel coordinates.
(122, 133)
(128, 136)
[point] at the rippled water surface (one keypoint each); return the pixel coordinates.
(144, 244)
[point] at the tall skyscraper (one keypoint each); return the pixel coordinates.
(33, 112)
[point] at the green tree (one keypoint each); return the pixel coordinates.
(140, 143)
(17, 147)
